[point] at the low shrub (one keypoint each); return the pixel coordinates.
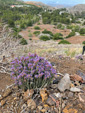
(32, 72)
(83, 42)
(36, 33)
(38, 23)
(30, 38)
(44, 38)
(71, 34)
(37, 27)
(19, 36)
(57, 36)
(64, 42)
(82, 31)
(30, 34)
(47, 32)
(23, 41)
(59, 26)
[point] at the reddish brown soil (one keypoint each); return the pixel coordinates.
(65, 65)
(51, 28)
(76, 39)
(4, 80)
(73, 40)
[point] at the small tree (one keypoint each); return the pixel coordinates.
(64, 42)
(23, 41)
(57, 36)
(11, 23)
(37, 27)
(44, 38)
(71, 34)
(82, 31)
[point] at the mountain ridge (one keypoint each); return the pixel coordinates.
(77, 8)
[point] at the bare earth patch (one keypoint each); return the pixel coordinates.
(51, 28)
(76, 39)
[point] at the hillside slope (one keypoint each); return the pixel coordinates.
(9, 2)
(40, 4)
(77, 8)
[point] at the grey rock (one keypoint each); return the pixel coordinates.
(58, 95)
(23, 106)
(50, 102)
(70, 94)
(64, 83)
(74, 89)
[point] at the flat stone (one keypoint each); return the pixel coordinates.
(43, 110)
(54, 86)
(76, 77)
(58, 95)
(2, 103)
(39, 107)
(7, 92)
(44, 94)
(50, 102)
(70, 94)
(28, 94)
(31, 104)
(82, 97)
(64, 83)
(69, 109)
(74, 89)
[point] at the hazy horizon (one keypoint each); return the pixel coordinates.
(64, 2)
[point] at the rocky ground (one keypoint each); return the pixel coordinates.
(65, 95)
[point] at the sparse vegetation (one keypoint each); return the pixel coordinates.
(36, 33)
(30, 35)
(57, 36)
(37, 28)
(23, 41)
(82, 31)
(44, 38)
(83, 42)
(71, 34)
(47, 32)
(64, 42)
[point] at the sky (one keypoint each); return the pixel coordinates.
(67, 2)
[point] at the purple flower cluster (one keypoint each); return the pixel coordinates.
(31, 71)
(79, 57)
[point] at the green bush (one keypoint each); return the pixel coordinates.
(44, 38)
(82, 31)
(47, 32)
(37, 27)
(57, 36)
(19, 36)
(71, 34)
(30, 34)
(76, 29)
(29, 23)
(64, 42)
(28, 30)
(23, 41)
(36, 33)
(38, 23)
(30, 38)
(59, 26)
(83, 42)
(11, 23)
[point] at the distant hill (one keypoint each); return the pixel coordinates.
(77, 8)
(40, 4)
(10, 2)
